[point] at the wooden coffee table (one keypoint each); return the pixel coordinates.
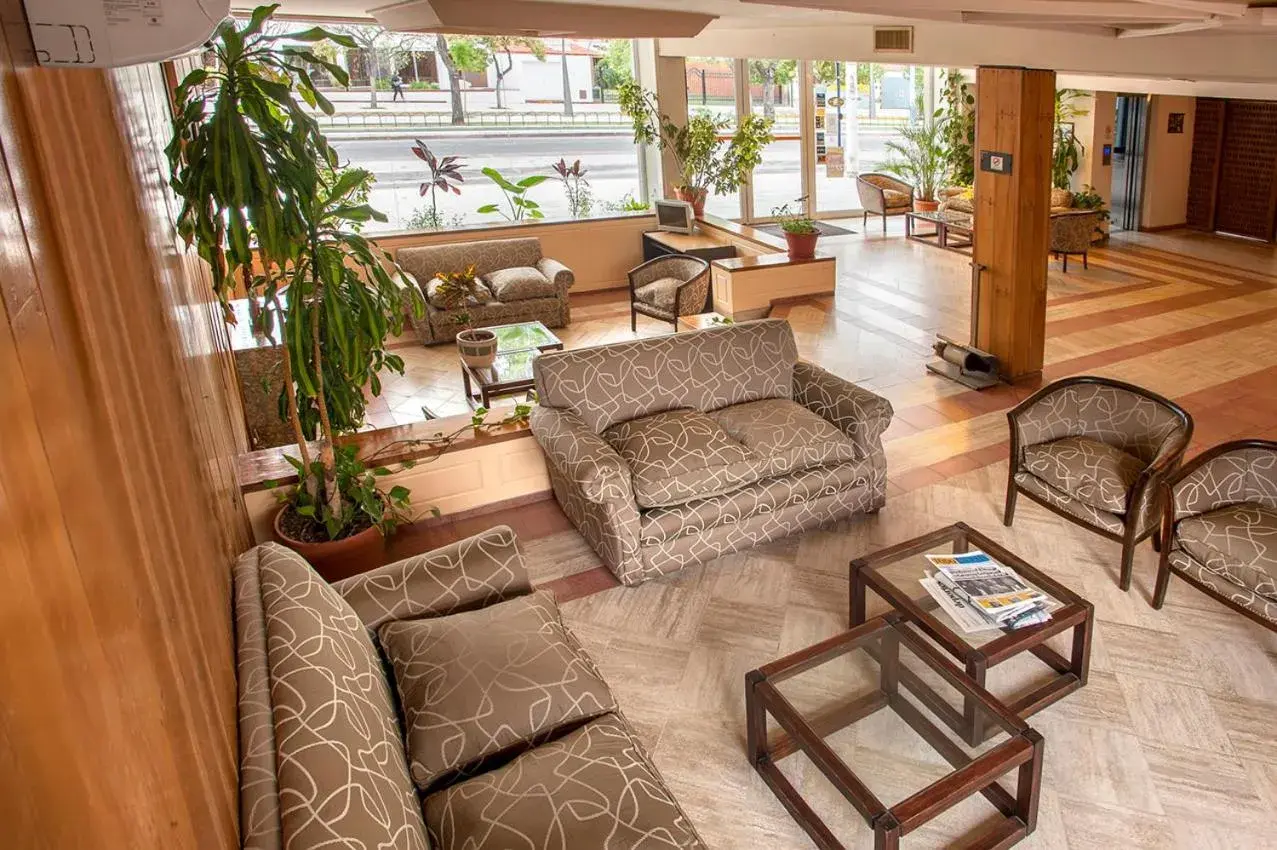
(893, 575)
(815, 694)
(511, 373)
(949, 230)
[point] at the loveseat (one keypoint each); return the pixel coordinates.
(515, 284)
(437, 702)
(673, 450)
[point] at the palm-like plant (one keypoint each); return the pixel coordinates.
(251, 166)
(1066, 150)
(444, 173)
(922, 157)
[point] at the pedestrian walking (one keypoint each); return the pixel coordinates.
(396, 87)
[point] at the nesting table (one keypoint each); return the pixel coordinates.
(511, 373)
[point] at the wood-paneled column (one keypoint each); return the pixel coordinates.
(1014, 117)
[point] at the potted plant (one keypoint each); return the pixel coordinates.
(1066, 149)
(250, 165)
(800, 231)
(444, 173)
(477, 346)
(922, 161)
(575, 187)
(705, 160)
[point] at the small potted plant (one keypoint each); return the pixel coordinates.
(478, 346)
(800, 231)
(458, 290)
(922, 161)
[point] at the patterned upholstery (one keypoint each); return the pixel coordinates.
(646, 513)
(322, 762)
(895, 199)
(1097, 451)
(1092, 472)
(476, 684)
(519, 283)
(593, 788)
(339, 760)
(1222, 516)
(488, 256)
(1061, 199)
(1071, 232)
(884, 195)
(668, 287)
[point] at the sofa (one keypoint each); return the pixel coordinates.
(437, 702)
(515, 284)
(673, 450)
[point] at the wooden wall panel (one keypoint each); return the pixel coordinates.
(1203, 174)
(1246, 201)
(119, 517)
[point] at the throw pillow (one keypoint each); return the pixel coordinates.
(479, 683)
(519, 284)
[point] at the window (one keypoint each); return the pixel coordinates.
(711, 89)
(773, 93)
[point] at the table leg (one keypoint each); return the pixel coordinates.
(465, 382)
(1029, 783)
(755, 720)
(856, 600)
(977, 670)
(1080, 663)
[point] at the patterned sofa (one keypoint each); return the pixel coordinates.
(536, 291)
(670, 451)
(1221, 522)
(507, 736)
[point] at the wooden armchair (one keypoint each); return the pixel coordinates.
(668, 287)
(883, 195)
(1071, 234)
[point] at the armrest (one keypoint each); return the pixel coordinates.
(855, 411)
(472, 573)
(1148, 487)
(582, 456)
(1240, 471)
(560, 275)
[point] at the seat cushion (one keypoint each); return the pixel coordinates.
(593, 788)
(1238, 543)
(661, 293)
(680, 455)
(339, 755)
(894, 198)
(1092, 472)
(519, 284)
(480, 683)
(785, 434)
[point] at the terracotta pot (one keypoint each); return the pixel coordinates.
(337, 559)
(478, 348)
(802, 246)
(919, 205)
(694, 196)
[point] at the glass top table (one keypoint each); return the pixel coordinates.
(522, 336)
(518, 345)
(850, 731)
(890, 579)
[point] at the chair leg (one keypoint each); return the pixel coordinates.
(1066, 263)
(864, 219)
(1163, 580)
(1157, 540)
(884, 224)
(1128, 562)
(1012, 494)
(633, 320)
(1084, 265)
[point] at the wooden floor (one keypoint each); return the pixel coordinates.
(1173, 744)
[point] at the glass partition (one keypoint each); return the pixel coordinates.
(773, 93)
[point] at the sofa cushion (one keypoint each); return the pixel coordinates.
(703, 370)
(681, 455)
(519, 284)
(486, 255)
(786, 435)
(1092, 472)
(480, 683)
(894, 198)
(661, 293)
(439, 296)
(1238, 543)
(339, 754)
(592, 788)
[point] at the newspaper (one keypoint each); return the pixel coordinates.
(980, 594)
(955, 605)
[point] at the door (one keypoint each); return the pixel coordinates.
(1130, 136)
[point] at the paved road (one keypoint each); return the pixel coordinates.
(610, 160)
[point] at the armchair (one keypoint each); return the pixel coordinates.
(1096, 451)
(883, 195)
(1219, 528)
(668, 287)
(1071, 234)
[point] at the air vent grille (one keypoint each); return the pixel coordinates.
(893, 39)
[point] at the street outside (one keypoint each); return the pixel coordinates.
(608, 154)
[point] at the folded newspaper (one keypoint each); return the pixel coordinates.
(982, 595)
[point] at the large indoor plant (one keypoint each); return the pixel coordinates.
(1066, 149)
(921, 160)
(265, 203)
(958, 129)
(706, 161)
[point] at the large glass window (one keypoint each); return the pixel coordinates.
(773, 93)
(711, 89)
(516, 105)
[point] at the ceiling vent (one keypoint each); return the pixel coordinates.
(893, 39)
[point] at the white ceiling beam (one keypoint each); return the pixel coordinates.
(1173, 29)
(1232, 10)
(1118, 10)
(1002, 18)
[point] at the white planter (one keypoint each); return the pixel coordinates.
(478, 348)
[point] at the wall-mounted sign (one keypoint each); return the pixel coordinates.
(834, 163)
(1106, 155)
(837, 101)
(995, 161)
(1175, 123)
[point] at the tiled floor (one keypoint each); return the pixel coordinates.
(1172, 744)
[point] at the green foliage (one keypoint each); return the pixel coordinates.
(441, 174)
(958, 113)
(1089, 199)
(704, 160)
(794, 220)
(826, 71)
(779, 72)
(628, 203)
(921, 157)
(575, 187)
(250, 166)
(518, 205)
(468, 54)
(616, 68)
(386, 509)
(431, 218)
(1066, 150)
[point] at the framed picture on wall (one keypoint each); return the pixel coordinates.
(1175, 122)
